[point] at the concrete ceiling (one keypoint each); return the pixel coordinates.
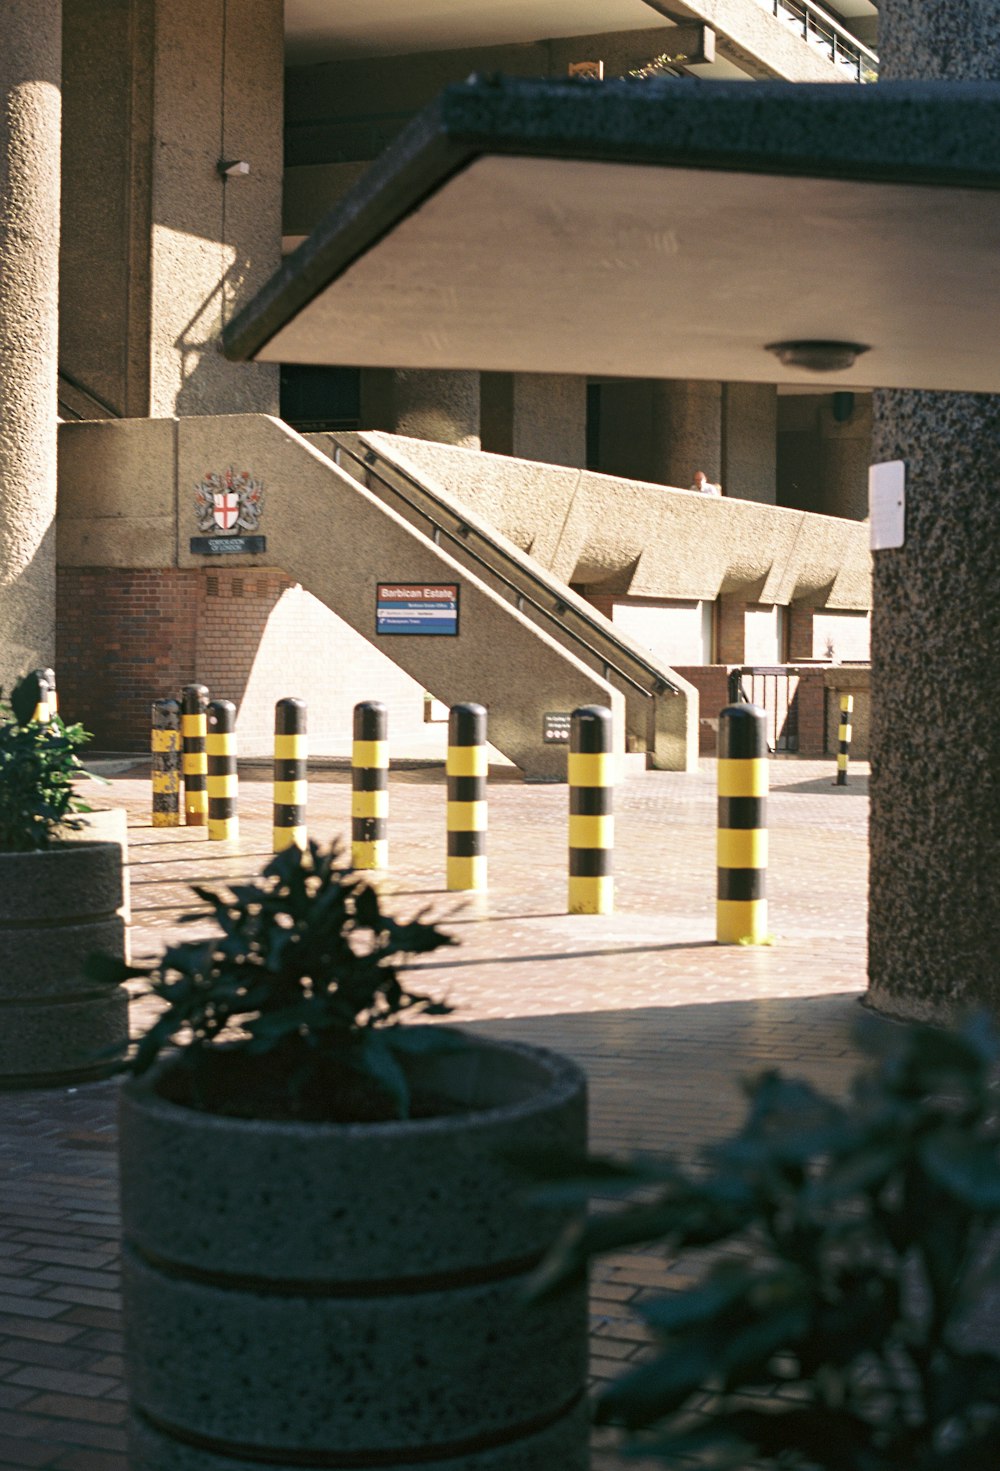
(324, 30)
(707, 221)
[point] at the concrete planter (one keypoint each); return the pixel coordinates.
(56, 906)
(349, 1295)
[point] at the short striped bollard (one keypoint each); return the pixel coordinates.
(466, 769)
(741, 906)
(48, 702)
(370, 786)
(223, 783)
(165, 746)
(591, 820)
(290, 778)
(844, 738)
(194, 729)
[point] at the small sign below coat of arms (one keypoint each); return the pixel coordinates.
(229, 502)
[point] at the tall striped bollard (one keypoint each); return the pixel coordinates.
(48, 702)
(844, 738)
(591, 820)
(223, 783)
(370, 786)
(165, 745)
(741, 906)
(466, 769)
(194, 729)
(289, 774)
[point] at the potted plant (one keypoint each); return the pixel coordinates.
(324, 1250)
(59, 900)
(844, 1270)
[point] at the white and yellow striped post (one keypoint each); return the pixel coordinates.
(223, 782)
(290, 779)
(48, 702)
(741, 907)
(466, 770)
(591, 815)
(844, 739)
(370, 786)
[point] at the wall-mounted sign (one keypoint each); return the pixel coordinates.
(220, 546)
(228, 502)
(417, 607)
(887, 504)
(556, 727)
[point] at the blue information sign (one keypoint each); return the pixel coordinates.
(417, 608)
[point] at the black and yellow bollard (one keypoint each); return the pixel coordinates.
(591, 820)
(370, 786)
(165, 747)
(741, 906)
(844, 738)
(48, 704)
(223, 788)
(466, 768)
(194, 729)
(290, 756)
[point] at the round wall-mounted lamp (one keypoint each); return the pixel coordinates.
(816, 356)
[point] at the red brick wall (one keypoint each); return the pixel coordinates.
(710, 680)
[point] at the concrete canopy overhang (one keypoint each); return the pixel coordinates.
(662, 229)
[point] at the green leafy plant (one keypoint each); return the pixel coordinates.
(38, 768)
(844, 1254)
(294, 1010)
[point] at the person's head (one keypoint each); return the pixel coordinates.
(699, 478)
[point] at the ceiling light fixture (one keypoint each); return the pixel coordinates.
(817, 356)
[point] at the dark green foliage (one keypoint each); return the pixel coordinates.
(292, 1011)
(841, 1316)
(38, 766)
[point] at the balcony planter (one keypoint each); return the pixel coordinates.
(350, 1295)
(56, 906)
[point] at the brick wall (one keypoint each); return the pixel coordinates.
(125, 638)
(710, 680)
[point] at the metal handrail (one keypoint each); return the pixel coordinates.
(661, 685)
(816, 21)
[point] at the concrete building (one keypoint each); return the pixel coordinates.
(195, 144)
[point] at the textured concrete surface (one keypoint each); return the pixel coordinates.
(935, 922)
(664, 1022)
(29, 249)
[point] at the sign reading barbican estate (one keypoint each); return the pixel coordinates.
(416, 608)
(228, 505)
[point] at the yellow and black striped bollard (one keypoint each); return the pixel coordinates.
(370, 786)
(466, 769)
(165, 747)
(48, 702)
(290, 756)
(591, 820)
(194, 729)
(223, 783)
(844, 738)
(741, 906)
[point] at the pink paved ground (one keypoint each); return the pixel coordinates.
(664, 1022)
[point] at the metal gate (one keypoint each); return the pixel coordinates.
(775, 688)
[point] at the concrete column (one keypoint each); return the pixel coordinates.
(748, 465)
(845, 428)
(535, 416)
(934, 929)
(687, 431)
(437, 405)
(29, 253)
(159, 249)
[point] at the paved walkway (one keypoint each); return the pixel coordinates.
(664, 1022)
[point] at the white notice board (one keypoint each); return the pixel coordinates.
(887, 504)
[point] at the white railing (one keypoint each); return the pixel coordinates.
(826, 35)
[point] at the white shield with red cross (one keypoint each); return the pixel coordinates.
(225, 509)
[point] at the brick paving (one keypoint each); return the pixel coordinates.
(663, 1021)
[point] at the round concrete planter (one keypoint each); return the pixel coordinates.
(351, 1295)
(56, 906)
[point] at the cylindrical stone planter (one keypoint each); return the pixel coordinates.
(56, 907)
(351, 1295)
